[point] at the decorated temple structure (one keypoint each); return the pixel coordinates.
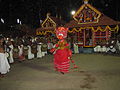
(91, 27)
(48, 26)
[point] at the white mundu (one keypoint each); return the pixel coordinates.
(39, 53)
(30, 55)
(11, 54)
(4, 65)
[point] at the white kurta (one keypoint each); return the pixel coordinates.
(11, 54)
(4, 65)
(39, 53)
(30, 55)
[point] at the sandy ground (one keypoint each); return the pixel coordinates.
(96, 72)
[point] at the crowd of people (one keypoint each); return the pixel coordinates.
(20, 49)
(110, 47)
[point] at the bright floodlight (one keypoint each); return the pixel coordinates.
(18, 21)
(72, 12)
(2, 20)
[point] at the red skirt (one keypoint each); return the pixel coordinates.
(63, 67)
(61, 61)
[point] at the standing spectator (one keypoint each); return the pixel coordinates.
(21, 56)
(10, 45)
(39, 52)
(30, 54)
(4, 65)
(76, 48)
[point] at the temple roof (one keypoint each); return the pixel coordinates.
(103, 20)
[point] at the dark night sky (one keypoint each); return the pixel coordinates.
(30, 11)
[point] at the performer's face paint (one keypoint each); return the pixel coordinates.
(61, 32)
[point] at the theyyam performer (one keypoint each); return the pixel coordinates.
(61, 51)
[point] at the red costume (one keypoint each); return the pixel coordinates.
(61, 51)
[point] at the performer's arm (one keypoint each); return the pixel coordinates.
(55, 47)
